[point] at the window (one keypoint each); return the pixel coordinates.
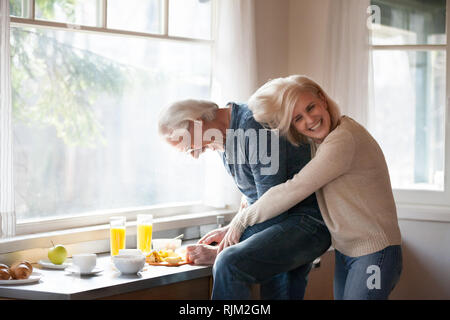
(89, 78)
(410, 80)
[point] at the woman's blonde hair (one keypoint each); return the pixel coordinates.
(274, 102)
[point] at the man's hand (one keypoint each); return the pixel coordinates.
(215, 235)
(201, 254)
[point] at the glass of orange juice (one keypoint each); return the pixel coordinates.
(117, 234)
(144, 232)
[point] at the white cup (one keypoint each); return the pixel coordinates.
(84, 262)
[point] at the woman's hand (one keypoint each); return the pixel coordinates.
(214, 236)
(235, 228)
(244, 203)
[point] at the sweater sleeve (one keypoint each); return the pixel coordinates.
(333, 158)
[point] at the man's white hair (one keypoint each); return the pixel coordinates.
(178, 114)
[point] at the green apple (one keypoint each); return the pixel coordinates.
(57, 254)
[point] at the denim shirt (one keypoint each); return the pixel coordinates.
(254, 168)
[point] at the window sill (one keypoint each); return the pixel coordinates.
(95, 239)
(423, 213)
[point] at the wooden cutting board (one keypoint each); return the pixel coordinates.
(168, 264)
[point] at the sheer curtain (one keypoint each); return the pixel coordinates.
(7, 214)
(346, 62)
(234, 79)
(235, 66)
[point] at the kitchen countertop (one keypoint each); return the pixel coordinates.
(60, 284)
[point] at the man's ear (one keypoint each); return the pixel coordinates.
(195, 123)
(199, 122)
(196, 130)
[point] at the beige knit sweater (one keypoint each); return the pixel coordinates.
(349, 174)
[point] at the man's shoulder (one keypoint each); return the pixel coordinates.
(244, 117)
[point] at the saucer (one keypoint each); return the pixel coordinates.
(45, 263)
(72, 269)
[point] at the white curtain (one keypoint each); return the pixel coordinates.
(235, 66)
(234, 79)
(347, 57)
(7, 214)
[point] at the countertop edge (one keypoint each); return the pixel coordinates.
(142, 284)
(14, 292)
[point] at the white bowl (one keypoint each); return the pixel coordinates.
(160, 244)
(130, 252)
(129, 264)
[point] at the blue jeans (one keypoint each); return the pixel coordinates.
(277, 254)
(368, 277)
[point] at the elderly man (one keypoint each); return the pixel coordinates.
(276, 253)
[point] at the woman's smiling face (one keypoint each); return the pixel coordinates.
(311, 117)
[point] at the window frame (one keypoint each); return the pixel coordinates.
(101, 217)
(31, 21)
(424, 197)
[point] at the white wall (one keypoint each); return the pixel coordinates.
(272, 38)
(426, 260)
(290, 37)
(291, 40)
(307, 34)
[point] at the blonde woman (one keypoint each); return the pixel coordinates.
(348, 174)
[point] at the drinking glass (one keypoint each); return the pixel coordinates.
(144, 232)
(117, 234)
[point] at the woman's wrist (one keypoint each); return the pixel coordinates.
(237, 223)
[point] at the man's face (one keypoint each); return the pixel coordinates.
(195, 140)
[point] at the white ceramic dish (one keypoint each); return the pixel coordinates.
(45, 263)
(34, 277)
(161, 244)
(74, 270)
(129, 252)
(129, 264)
